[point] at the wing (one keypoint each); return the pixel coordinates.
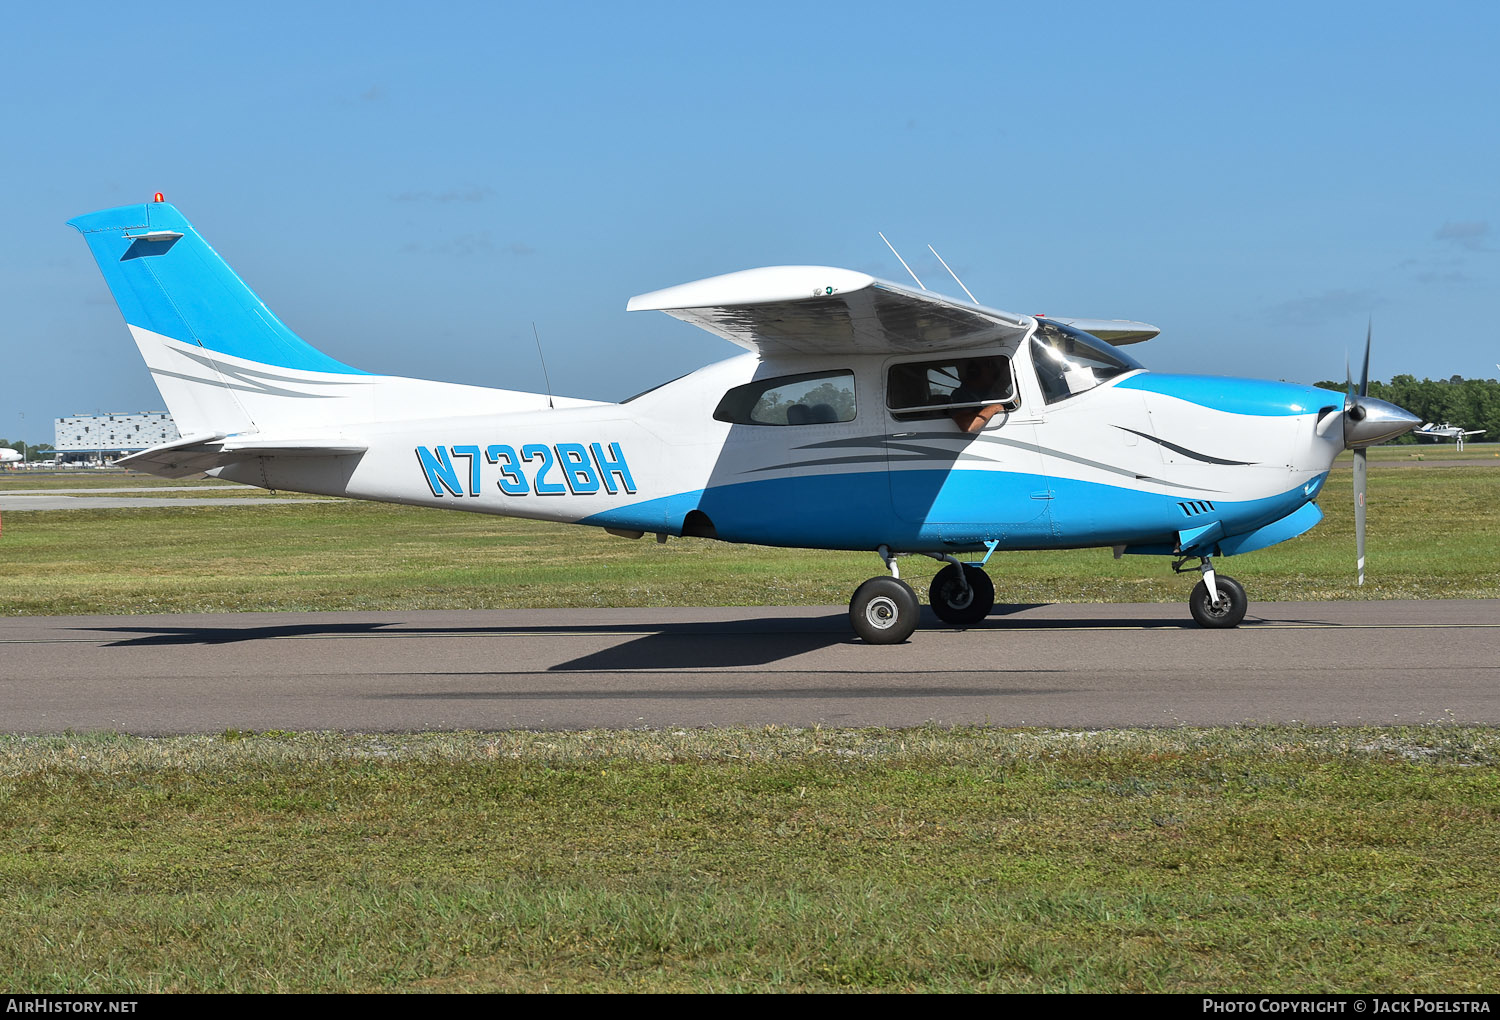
(821, 310)
(1114, 331)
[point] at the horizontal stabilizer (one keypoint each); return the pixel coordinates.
(253, 446)
(195, 454)
(189, 455)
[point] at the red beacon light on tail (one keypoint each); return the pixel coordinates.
(158, 197)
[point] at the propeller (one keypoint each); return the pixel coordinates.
(1368, 422)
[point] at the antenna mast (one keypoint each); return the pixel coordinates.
(901, 260)
(953, 274)
(545, 378)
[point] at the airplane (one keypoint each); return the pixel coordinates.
(863, 415)
(9, 456)
(1433, 432)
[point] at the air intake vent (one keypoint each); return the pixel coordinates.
(1196, 507)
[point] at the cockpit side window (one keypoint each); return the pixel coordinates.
(812, 398)
(917, 390)
(1069, 361)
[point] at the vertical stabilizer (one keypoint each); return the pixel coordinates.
(226, 365)
(212, 345)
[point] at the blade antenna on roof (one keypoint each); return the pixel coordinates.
(953, 274)
(543, 360)
(901, 260)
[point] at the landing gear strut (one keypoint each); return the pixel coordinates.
(884, 610)
(1218, 600)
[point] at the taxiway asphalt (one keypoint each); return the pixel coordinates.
(1067, 665)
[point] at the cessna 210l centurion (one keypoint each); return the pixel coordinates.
(865, 415)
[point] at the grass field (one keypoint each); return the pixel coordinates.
(11, 481)
(1433, 533)
(1265, 859)
(1295, 860)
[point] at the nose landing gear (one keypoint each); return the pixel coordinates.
(1217, 601)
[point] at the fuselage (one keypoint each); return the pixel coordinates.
(867, 415)
(1143, 460)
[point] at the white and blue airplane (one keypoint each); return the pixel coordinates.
(864, 415)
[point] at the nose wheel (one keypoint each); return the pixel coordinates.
(1218, 601)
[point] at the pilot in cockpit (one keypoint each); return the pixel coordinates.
(977, 383)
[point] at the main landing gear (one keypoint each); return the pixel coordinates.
(884, 610)
(961, 594)
(1218, 600)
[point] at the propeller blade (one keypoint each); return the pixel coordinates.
(1360, 466)
(1364, 373)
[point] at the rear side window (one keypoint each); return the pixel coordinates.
(813, 398)
(936, 389)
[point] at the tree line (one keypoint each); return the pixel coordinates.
(33, 451)
(1472, 403)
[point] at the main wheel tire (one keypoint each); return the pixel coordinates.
(953, 604)
(1228, 611)
(884, 611)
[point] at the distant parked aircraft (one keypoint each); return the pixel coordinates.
(9, 456)
(1435, 433)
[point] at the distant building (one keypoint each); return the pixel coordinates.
(100, 437)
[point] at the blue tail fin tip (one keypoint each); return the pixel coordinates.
(181, 288)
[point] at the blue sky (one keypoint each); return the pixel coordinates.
(410, 186)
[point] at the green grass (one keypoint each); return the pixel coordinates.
(1424, 452)
(1432, 534)
(1296, 859)
(103, 478)
(1300, 860)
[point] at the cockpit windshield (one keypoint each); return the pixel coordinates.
(1069, 361)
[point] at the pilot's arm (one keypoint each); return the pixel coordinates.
(972, 419)
(979, 379)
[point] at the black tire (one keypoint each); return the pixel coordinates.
(884, 611)
(1230, 609)
(954, 605)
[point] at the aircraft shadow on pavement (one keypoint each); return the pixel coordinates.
(716, 645)
(233, 635)
(707, 645)
(721, 692)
